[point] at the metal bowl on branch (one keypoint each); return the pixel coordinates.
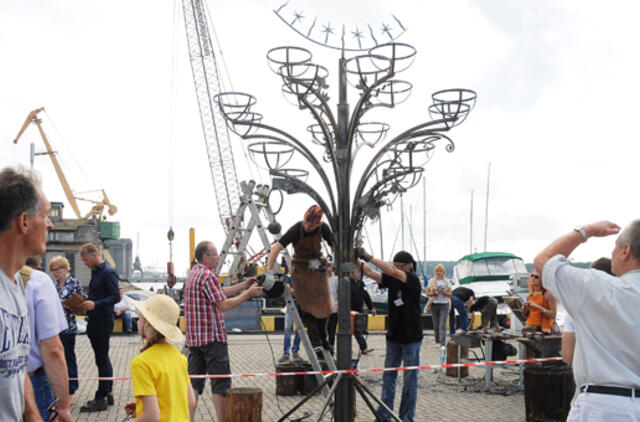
(304, 78)
(365, 70)
(399, 55)
(243, 124)
(317, 135)
(234, 105)
(370, 133)
(403, 178)
(296, 99)
(299, 174)
(392, 93)
(418, 152)
(455, 111)
(461, 95)
(275, 154)
(287, 55)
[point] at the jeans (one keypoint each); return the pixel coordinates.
(43, 393)
(439, 313)
(401, 355)
(288, 327)
(458, 304)
(126, 321)
(69, 343)
(99, 332)
(362, 342)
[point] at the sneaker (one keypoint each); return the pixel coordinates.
(284, 358)
(366, 351)
(296, 357)
(95, 405)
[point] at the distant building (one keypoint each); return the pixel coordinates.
(68, 235)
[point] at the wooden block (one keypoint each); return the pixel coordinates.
(242, 404)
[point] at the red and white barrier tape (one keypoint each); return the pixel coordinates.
(343, 371)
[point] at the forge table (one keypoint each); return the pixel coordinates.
(475, 339)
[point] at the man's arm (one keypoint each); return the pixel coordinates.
(276, 248)
(370, 272)
(566, 244)
(55, 366)
(31, 412)
(233, 302)
(110, 279)
(389, 269)
(234, 290)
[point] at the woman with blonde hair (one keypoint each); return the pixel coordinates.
(439, 290)
(161, 383)
(66, 287)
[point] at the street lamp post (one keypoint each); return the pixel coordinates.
(395, 167)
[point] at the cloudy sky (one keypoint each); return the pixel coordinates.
(557, 105)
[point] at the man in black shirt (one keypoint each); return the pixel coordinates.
(404, 333)
(461, 300)
(309, 274)
(104, 293)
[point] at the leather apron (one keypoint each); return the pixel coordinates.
(311, 284)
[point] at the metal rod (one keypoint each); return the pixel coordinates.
(486, 210)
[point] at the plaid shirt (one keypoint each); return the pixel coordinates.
(205, 322)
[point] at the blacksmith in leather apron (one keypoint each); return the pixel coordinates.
(309, 274)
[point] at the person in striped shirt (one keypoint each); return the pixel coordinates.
(205, 302)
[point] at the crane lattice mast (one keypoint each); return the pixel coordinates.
(207, 83)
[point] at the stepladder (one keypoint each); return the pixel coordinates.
(251, 215)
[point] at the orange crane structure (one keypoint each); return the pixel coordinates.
(98, 207)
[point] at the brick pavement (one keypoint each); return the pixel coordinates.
(440, 398)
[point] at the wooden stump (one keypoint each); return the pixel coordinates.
(243, 404)
(452, 357)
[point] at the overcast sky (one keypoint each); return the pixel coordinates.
(557, 85)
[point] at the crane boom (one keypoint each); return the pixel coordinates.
(33, 118)
(207, 83)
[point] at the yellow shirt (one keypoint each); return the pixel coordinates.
(161, 371)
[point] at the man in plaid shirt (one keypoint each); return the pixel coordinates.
(205, 301)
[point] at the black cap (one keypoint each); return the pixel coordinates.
(404, 257)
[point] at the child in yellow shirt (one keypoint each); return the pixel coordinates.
(161, 382)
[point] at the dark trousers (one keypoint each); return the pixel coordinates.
(99, 332)
(331, 328)
(69, 343)
(316, 329)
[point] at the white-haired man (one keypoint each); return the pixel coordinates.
(605, 364)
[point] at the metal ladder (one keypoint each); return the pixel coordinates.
(237, 232)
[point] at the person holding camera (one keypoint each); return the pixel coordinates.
(439, 290)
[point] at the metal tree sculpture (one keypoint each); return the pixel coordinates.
(396, 166)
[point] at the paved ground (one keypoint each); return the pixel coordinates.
(440, 398)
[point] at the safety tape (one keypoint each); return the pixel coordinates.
(342, 371)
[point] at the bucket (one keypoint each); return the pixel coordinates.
(548, 390)
(287, 385)
(452, 357)
(306, 383)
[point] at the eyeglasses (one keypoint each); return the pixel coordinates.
(211, 254)
(536, 276)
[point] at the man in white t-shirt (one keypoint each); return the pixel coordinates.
(605, 363)
(24, 222)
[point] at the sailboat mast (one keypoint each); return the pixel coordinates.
(424, 226)
(486, 210)
(471, 225)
